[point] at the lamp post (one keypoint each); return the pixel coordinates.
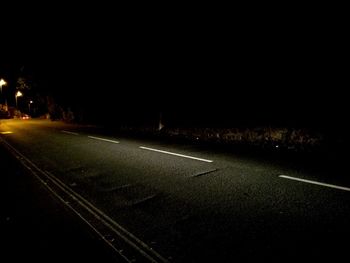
(2, 83)
(30, 102)
(18, 94)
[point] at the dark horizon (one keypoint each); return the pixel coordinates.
(269, 76)
(250, 96)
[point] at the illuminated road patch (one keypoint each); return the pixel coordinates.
(6, 132)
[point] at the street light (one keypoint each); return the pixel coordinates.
(30, 102)
(18, 94)
(2, 83)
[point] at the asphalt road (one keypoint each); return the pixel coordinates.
(36, 227)
(190, 203)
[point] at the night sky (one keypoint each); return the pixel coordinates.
(223, 72)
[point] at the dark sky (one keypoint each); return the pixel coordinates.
(217, 68)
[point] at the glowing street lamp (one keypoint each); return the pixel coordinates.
(2, 83)
(30, 102)
(18, 94)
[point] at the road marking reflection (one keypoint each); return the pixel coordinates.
(102, 139)
(315, 182)
(68, 132)
(176, 154)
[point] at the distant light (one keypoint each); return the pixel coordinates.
(30, 101)
(277, 146)
(19, 94)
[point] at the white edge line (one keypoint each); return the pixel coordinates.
(315, 182)
(73, 133)
(176, 154)
(102, 139)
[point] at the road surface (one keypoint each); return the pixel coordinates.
(161, 201)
